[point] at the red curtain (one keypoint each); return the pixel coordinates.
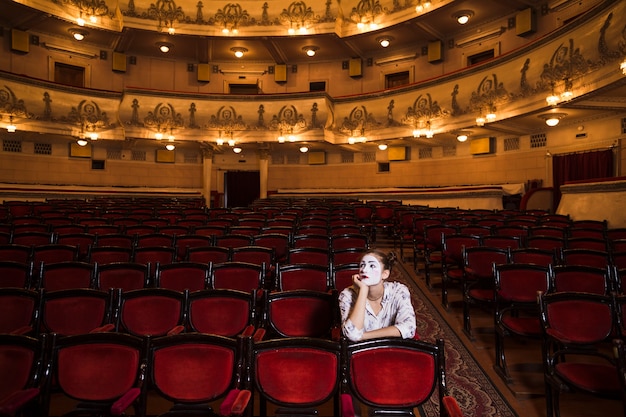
(580, 166)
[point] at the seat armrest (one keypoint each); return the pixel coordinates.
(106, 328)
(16, 400)
(125, 401)
(452, 407)
(235, 402)
(22, 330)
(259, 334)
(176, 330)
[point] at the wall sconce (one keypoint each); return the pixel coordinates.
(552, 119)
(304, 149)
(382, 146)
(93, 136)
(220, 142)
(463, 16)
(78, 34)
(11, 128)
(567, 94)
(423, 129)
(237, 149)
(158, 135)
(480, 121)
(310, 50)
(622, 66)
(239, 51)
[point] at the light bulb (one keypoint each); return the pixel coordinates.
(238, 54)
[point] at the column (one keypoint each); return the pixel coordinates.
(207, 166)
(264, 156)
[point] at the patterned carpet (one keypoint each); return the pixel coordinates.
(466, 381)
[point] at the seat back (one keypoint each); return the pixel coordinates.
(300, 313)
(180, 276)
(109, 254)
(479, 261)
(124, 275)
(76, 311)
(97, 369)
(299, 373)
(15, 274)
(213, 367)
(66, 275)
(207, 254)
(223, 312)
(394, 374)
(342, 275)
(19, 311)
(581, 278)
(314, 256)
(242, 276)
(151, 311)
(303, 277)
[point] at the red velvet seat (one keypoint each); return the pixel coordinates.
(180, 276)
(22, 369)
(414, 371)
(152, 311)
(242, 276)
(223, 312)
(212, 371)
(77, 311)
(208, 254)
(452, 263)
(432, 246)
(124, 275)
(296, 375)
(303, 277)
(15, 274)
(575, 328)
(103, 372)
(20, 311)
(309, 255)
(516, 310)
(301, 313)
(66, 275)
(479, 281)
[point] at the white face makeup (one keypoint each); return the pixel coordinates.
(371, 270)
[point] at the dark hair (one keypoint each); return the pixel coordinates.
(387, 259)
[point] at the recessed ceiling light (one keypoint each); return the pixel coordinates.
(79, 34)
(463, 16)
(552, 119)
(164, 47)
(384, 41)
(310, 50)
(239, 51)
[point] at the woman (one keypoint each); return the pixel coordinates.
(374, 307)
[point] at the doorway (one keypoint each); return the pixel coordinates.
(241, 188)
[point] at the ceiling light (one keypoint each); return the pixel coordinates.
(11, 128)
(164, 47)
(93, 136)
(158, 135)
(237, 149)
(382, 146)
(462, 136)
(552, 99)
(310, 50)
(385, 42)
(281, 139)
(552, 119)
(304, 149)
(463, 16)
(231, 142)
(170, 146)
(220, 142)
(81, 142)
(79, 34)
(480, 121)
(622, 66)
(239, 51)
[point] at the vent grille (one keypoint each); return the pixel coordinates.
(43, 149)
(449, 150)
(426, 153)
(538, 141)
(369, 157)
(191, 158)
(624, 126)
(12, 145)
(347, 157)
(278, 158)
(114, 154)
(138, 156)
(511, 144)
(293, 158)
